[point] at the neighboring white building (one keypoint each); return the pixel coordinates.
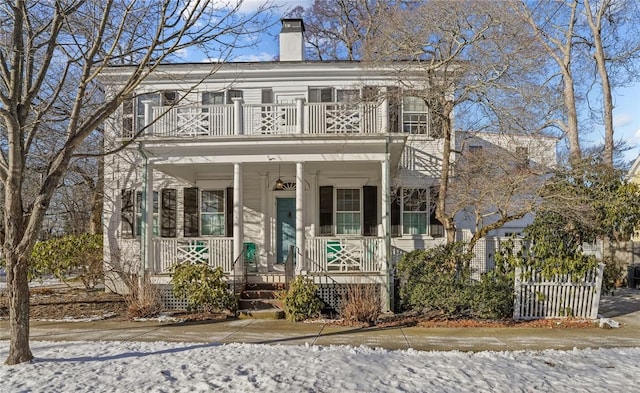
(246, 160)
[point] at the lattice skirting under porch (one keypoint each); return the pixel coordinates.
(332, 294)
(169, 301)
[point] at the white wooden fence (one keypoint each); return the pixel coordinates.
(558, 297)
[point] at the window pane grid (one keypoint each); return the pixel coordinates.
(212, 217)
(348, 211)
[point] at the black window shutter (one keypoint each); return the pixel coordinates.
(168, 212)
(191, 219)
(229, 212)
(126, 214)
(370, 210)
(395, 214)
(326, 210)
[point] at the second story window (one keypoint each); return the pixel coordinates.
(133, 109)
(414, 115)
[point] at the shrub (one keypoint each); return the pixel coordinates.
(202, 286)
(438, 278)
(361, 303)
(63, 257)
(143, 301)
(300, 300)
(493, 296)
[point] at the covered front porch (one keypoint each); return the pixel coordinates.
(244, 211)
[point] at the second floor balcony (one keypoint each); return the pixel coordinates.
(257, 119)
(298, 117)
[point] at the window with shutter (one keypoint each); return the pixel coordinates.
(127, 214)
(229, 212)
(396, 225)
(370, 210)
(191, 218)
(326, 210)
(168, 213)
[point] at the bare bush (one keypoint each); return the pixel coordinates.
(143, 300)
(361, 303)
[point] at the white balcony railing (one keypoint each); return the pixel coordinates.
(216, 251)
(186, 120)
(262, 119)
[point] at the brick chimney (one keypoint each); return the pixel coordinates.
(291, 40)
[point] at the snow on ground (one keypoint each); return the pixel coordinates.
(169, 367)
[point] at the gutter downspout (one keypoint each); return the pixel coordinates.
(143, 241)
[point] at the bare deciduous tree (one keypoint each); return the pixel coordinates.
(52, 55)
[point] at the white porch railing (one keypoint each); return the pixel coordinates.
(257, 119)
(216, 252)
(270, 119)
(343, 118)
(331, 254)
(190, 120)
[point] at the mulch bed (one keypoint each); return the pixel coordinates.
(77, 303)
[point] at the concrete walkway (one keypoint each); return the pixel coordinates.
(624, 307)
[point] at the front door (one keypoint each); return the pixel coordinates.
(285, 227)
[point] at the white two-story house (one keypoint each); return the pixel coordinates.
(242, 164)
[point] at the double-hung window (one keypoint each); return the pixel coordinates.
(414, 115)
(212, 213)
(415, 211)
(156, 213)
(348, 211)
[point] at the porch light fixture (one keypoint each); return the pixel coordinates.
(279, 183)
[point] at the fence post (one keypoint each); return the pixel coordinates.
(598, 290)
(517, 299)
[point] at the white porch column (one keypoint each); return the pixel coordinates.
(299, 115)
(385, 214)
(238, 217)
(238, 126)
(148, 263)
(384, 115)
(300, 238)
(266, 233)
(147, 117)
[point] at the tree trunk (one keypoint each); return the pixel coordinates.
(443, 187)
(97, 196)
(18, 290)
(601, 63)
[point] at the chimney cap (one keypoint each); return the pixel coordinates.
(292, 25)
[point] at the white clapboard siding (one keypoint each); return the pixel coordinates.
(558, 297)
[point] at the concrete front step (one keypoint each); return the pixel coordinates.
(259, 294)
(272, 313)
(257, 304)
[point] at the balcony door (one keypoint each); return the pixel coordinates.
(285, 227)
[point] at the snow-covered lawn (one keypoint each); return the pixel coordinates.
(169, 367)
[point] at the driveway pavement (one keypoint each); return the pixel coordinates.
(623, 307)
